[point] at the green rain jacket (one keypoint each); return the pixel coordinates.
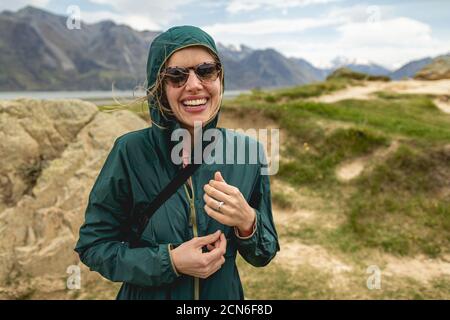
(136, 170)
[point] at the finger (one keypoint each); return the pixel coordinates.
(213, 255)
(203, 241)
(213, 245)
(213, 203)
(223, 219)
(224, 187)
(216, 194)
(218, 176)
(223, 243)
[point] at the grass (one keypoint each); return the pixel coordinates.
(348, 74)
(397, 206)
(317, 168)
(293, 93)
(312, 283)
(282, 200)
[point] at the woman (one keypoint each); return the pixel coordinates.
(192, 240)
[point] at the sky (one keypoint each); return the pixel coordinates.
(389, 33)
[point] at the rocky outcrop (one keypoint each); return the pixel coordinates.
(51, 153)
(438, 69)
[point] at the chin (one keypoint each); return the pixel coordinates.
(190, 120)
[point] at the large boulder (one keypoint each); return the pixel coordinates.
(52, 152)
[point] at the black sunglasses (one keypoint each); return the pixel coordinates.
(178, 76)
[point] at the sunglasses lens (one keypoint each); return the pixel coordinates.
(177, 76)
(207, 71)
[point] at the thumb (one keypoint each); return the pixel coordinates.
(203, 241)
(218, 176)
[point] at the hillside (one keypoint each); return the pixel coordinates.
(363, 184)
(438, 69)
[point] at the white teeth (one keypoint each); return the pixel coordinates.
(196, 102)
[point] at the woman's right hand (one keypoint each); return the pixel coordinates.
(189, 259)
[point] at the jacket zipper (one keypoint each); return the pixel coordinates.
(193, 224)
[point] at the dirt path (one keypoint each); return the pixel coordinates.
(365, 92)
(352, 169)
(309, 211)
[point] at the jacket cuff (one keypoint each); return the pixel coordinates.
(236, 231)
(170, 248)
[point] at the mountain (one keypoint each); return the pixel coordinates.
(358, 66)
(438, 68)
(410, 69)
(38, 52)
(315, 73)
(231, 52)
(264, 69)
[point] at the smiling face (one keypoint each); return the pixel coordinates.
(195, 100)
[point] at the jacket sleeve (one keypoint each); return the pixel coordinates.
(261, 246)
(100, 246)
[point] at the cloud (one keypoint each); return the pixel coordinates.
(268, 26)
(359, 33)
(18, 4)
(236, 6)
(137, 22)
(391, 43)
(140, 13)
(399, 31)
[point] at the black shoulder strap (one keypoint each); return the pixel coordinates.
(141, 220)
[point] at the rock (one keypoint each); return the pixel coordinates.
(52, 152)
(438, 69)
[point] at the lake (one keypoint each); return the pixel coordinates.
(95, 96)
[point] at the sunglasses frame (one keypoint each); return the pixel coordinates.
(186, 72)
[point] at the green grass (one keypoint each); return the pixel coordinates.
(398, 206)
(348, 74)
(282, 200)
(276, 281)
(293, 93)
(317, 167)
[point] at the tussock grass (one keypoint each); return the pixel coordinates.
(400, 205)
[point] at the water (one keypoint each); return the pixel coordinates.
(88, 95)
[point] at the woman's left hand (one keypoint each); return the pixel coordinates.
(235, 211)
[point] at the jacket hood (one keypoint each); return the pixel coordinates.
(162, 47)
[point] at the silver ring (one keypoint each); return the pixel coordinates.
(220, 204)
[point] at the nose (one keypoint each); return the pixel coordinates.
(193, 82)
